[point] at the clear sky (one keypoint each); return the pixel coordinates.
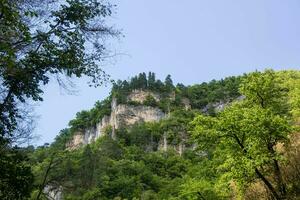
(193, 40)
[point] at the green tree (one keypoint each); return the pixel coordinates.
(247, 137)
(142, 79)
(49, 169)
(150, 101)
(247, 133)
(67, 44)
(16, 177)
(87, 165)
(266, 90)
(291, 80)
(169, 83)
(151, 80)
(32, 54)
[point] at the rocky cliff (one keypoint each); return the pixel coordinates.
(121, 115)
(124, 115)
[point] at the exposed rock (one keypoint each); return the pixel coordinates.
(181, 148)
(216, 107)
(76, 142)
(121, 115)
(187, 103)
(220, 106)
(53, 193)
(141, 95)
(165, 142)
(128, 115)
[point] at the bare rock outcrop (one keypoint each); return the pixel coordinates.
(141, 95)
(121, 115)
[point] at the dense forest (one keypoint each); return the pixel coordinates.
(249, 150)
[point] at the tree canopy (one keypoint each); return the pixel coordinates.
(68, 43)
(42, 40)
(246, 135)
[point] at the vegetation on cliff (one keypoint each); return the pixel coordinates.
(171, 97)
(246, 151)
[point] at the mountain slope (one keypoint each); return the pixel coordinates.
(152, 140)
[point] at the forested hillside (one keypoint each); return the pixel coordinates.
(235, 138)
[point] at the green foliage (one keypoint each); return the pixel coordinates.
(32, 54)
(138, 135)
(150, 101)
(88, 119)
(249, 130)
(194, 189)
(176, 126)
(266, 90)
(16, 178)
(226, 152)
(110, 169)
(246, 134)
(291, 81)
(169, 87)
(121, 89)
(42, 40)
(92, 194)
(224, 90)
(61, 139)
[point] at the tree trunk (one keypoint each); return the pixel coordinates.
(268, 184)
(258, 173)
(42, 186)
(279, 179)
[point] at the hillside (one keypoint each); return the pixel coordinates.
(145, 99)
(151, 139)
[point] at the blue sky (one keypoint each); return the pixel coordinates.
(193, 40)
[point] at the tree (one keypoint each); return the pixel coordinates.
(142, 80)
(266, 90)
(151, 80)
(248, 132)
(88, 166)
(169, 84)
(194, 189)
(247, 137)
(49, 168)
(150, 101)
(16, 177)
(176, 126)
(69, 43)
(291, 79)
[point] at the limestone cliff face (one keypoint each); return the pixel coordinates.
(77, 141)
(125, 115)
(89, 135)
(187, 103)
(141, 95)
(121, 115)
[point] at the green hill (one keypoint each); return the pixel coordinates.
(234, 138)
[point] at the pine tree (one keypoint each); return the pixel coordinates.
(169, 83)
